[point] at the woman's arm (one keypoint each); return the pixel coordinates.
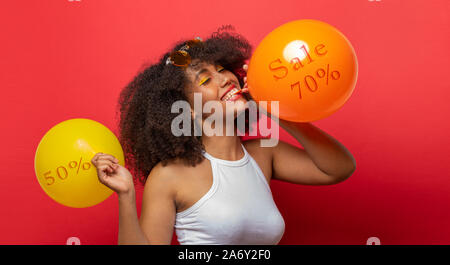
(328, 154)
(323, 160)
(155, 227)
(130, 232)
(158, 208)
(158, 211)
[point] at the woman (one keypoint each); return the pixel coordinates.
(213, 189)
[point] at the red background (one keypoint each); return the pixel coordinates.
(62, 60)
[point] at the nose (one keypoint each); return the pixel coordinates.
(225, 81)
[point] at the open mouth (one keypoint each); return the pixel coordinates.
(227, 96)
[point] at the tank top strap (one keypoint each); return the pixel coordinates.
(233, 163)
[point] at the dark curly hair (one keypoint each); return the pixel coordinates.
(145, 104)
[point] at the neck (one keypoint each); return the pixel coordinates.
(223, 147)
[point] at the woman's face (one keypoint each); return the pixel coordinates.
(215, 83)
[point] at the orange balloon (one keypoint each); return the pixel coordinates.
(308, 66)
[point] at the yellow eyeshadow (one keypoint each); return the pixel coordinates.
(206, 79)
(203, 81)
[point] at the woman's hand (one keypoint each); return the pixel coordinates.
(245, 88)
(113, 175)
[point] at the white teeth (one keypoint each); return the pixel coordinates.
(230, 94)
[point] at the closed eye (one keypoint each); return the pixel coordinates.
(206, 79)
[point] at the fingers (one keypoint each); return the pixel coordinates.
(106, 167)
(100, 156)
(245, 88)
(105, 171)
(105, 164)
(102, 173)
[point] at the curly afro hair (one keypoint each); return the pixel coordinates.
(145, 104)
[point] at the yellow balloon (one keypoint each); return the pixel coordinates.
(63, 165)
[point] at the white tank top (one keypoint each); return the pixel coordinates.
(238, 209)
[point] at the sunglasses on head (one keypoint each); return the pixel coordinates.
(182, 57)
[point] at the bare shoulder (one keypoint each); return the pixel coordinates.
(182, 181)
(256, 149)
(174, 176)
(169, 173)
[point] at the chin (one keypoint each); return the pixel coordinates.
(238, 106)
